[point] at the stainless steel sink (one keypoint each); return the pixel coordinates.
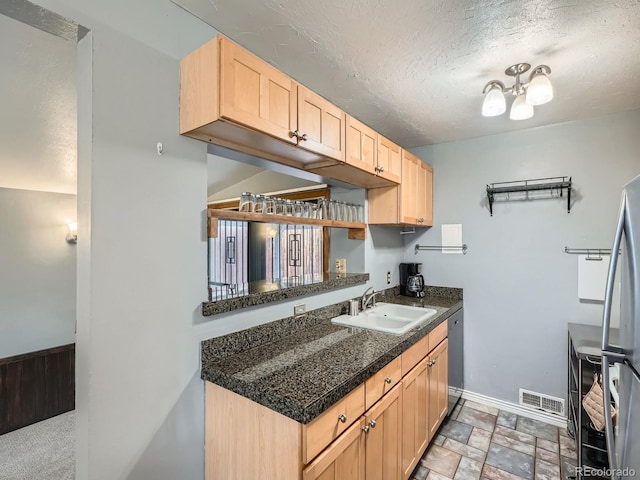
(387, 317)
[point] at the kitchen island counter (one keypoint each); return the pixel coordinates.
(300, 366)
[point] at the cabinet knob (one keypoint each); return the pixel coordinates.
(430, 363)
(295, 133)
(387, 380)
(303, 137)
(420, 220)
(372, 424)
(365, 429)
(343, 418)
(381, 169)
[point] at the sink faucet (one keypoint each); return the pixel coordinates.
(366, 298)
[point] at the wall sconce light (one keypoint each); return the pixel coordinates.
(72, 234)
(537, 92)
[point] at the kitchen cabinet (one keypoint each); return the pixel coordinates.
(369, 449)
(230, 97)
(415, 398)
(321, 125)
(421, 396)
(361, 146)
(378, 431)
(330, 425)
(438, 386)
(411, 202)
(389, 159)
(344, 459)
(361, 166)
(383, 440)
(255, 94)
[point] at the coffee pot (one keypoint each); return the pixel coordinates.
(411, 281)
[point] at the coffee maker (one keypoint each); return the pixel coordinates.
(411, 282)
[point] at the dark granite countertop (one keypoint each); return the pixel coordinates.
(300, 366)
(261, 292)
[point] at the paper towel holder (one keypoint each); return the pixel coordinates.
(589, 252)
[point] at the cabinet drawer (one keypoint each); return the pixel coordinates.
(414, 354)
(437, 335)
(381, 382)
(328, 426)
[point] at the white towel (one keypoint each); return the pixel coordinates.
(592, 277)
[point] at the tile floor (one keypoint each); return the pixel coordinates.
(480, 442)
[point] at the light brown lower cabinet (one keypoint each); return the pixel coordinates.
(244, 439)
(345, 458)
(370, 449)
(383, 440)
(415, 404)
(438, 385)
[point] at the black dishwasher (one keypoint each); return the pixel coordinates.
(455, 332)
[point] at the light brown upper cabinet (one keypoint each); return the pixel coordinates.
(255, 94)
(232, 98)
(389, 160)
(361, 146)
(362, 166)
(410, 203)
(321, 125)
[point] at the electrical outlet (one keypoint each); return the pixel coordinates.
(299, 309)
(341, 265)
(388, 278)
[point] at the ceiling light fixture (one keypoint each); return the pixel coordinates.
(536, 92)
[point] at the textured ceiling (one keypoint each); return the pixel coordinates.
(38, 113)
(414, 70)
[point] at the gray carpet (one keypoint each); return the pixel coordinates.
(42, 451)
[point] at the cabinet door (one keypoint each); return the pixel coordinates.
(389, 159)
(383, 443)
(361, 146)
(342, 460)
(409, 188)
(424, 198)
(438, 386)
(321, 125)
(414, 417)
(255, 94)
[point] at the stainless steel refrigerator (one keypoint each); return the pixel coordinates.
(623, 439)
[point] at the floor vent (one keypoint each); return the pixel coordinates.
(541, 401)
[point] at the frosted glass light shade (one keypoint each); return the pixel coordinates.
(539, 90)
(494, 103)
(520, 110)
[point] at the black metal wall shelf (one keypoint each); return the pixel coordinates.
(537, 184)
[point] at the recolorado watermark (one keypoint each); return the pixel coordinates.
(606, 472)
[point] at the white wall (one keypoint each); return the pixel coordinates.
(142, 254)
(38, 281)
(520, 289)
(142, 250)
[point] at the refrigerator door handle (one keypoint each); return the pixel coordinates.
(606, 324)
(611, 276)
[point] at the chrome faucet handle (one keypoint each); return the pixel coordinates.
(367, 298)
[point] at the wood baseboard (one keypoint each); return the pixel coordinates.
(36, 386)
